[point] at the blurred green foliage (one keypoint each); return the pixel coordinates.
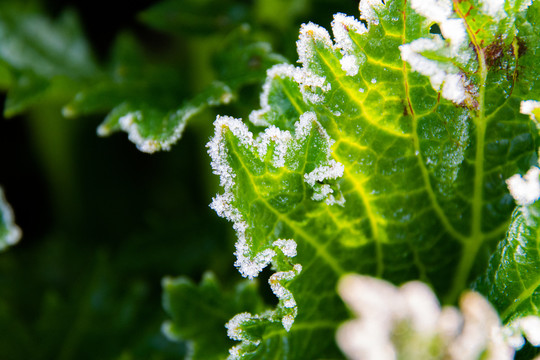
(102, 222)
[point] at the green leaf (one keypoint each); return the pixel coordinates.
(145, 97)
(152, 129)
(199, 312)
(9, 232)
(512, 280)
(385, 154)
(46, 58)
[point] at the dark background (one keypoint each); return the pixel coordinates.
(102, 222)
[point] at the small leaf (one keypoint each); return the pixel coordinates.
(9, 232)
(199, 312)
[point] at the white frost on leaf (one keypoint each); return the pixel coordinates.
(525, 190)
(308, 80)
(368, 10)
(287, 247)
(12, 232)
(397, 323)
(453, 85)
(281, 139)
(130, 124)
(332, 170)
(342, 25)
(251, 262)
(444, 76)
(281, 71)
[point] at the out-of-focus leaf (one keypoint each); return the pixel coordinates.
(280, 13)
(195, 16)
(9, 232)
(38, 52)
(131, 78)
(199, 312)
(244, 60)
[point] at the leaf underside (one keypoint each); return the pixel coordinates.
(385, 155)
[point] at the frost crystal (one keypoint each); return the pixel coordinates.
(387, 313)
(525, 190)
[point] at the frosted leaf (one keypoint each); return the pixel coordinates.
(444, 75)
(349, 64)
(303, 126)
(525, 190)
(423, 306)
(279, 290)
(281, 139)
(439, 11)
(10, 233)
(341, 26)
(128, 123)
(453, 88)
(287, 247)
(453, 85)
(277, 71)
(398, 322)
(333, 170)
(308, 33)
(234, 326)
(368, 10)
